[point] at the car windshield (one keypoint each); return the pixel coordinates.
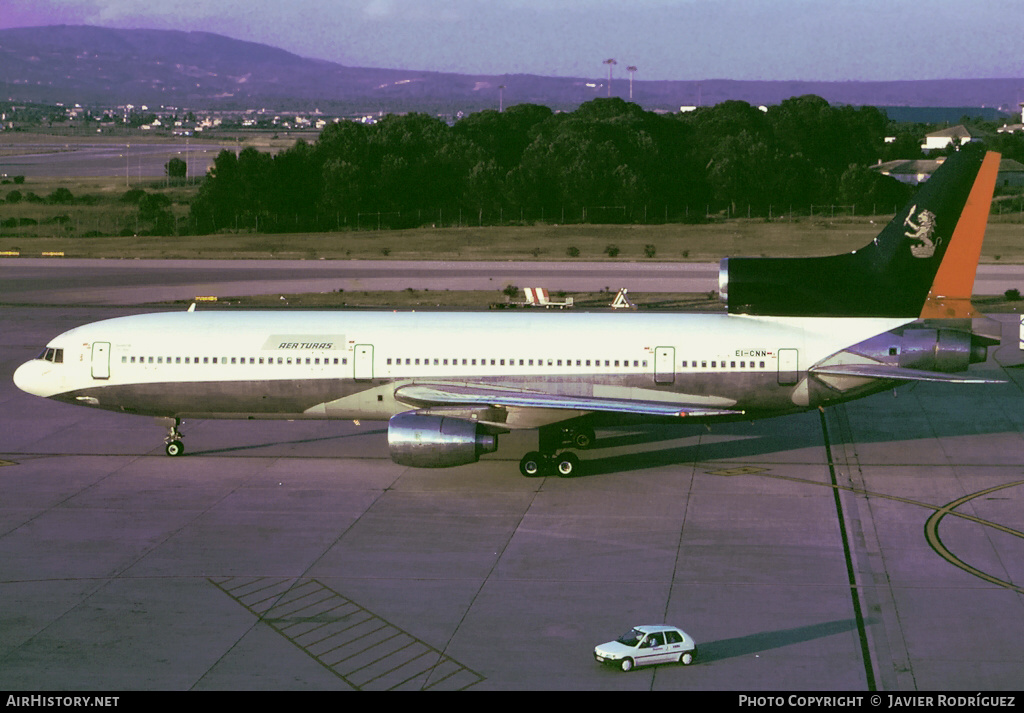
(631, 637)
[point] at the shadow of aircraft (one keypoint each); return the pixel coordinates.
(743, 440)
(907, 418)
(296, 442)
(768, 640)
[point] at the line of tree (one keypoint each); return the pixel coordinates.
(490, 166)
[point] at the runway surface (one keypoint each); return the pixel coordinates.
(879, 546)
(80, 281)
(137, 160)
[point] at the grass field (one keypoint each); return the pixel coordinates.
(696, 243)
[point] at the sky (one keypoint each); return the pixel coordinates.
(826, 40)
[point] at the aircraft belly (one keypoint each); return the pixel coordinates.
(277, 398)
(755, 393)
(748, 391)
(366, 400)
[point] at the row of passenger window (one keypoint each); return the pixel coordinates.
(436, 361)
(311, 361)
(415, 361)
(715, 364)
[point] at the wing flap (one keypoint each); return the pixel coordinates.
(426, 395)
(896, 373)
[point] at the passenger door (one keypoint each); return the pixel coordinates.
(656, 652)
(101, 360)
(363, 362)
(664, 365)
(789, 366)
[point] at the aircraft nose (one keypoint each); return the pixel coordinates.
(30, 377)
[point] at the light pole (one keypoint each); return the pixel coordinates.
(631, 69)
(611, 63)
(501, 98)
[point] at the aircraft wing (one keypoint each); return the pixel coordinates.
(427, 395)
(897, 373)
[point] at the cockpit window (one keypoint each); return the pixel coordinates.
(49, 354)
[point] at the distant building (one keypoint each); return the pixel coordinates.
(939, 140)
(913, 172)
(1011, 174)
(1013, 128)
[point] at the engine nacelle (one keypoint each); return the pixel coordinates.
(927, 349)
(423, 440)
(944, 350)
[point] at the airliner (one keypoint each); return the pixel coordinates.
(797, 334)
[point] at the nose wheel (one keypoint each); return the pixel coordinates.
(174, 447)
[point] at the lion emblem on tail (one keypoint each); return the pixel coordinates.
(922, 230)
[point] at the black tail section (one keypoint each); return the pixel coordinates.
(889, 277)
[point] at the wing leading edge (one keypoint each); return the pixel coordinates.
(427, 395)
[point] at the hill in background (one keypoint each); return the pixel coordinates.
(97, 66)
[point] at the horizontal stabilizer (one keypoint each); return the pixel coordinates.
(424, 395)
(897, 373)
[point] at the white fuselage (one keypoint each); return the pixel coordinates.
(332, 364)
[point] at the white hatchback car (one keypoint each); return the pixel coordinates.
(645, 645)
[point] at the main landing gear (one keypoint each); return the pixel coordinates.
(535, 464)
(547, 461)
(174, 445)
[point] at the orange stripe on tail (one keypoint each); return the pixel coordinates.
(950, 293)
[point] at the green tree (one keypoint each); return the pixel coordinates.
(151, 204)
(61, 196)
(176, 168)
(869, 190)
(154, 208)
(220, 198)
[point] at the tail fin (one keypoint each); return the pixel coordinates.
(921, 264)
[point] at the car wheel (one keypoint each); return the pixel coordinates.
(686, 658)
(627, 664)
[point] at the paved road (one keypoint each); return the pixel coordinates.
(58, 281)
(74, 281)
(134, 162)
